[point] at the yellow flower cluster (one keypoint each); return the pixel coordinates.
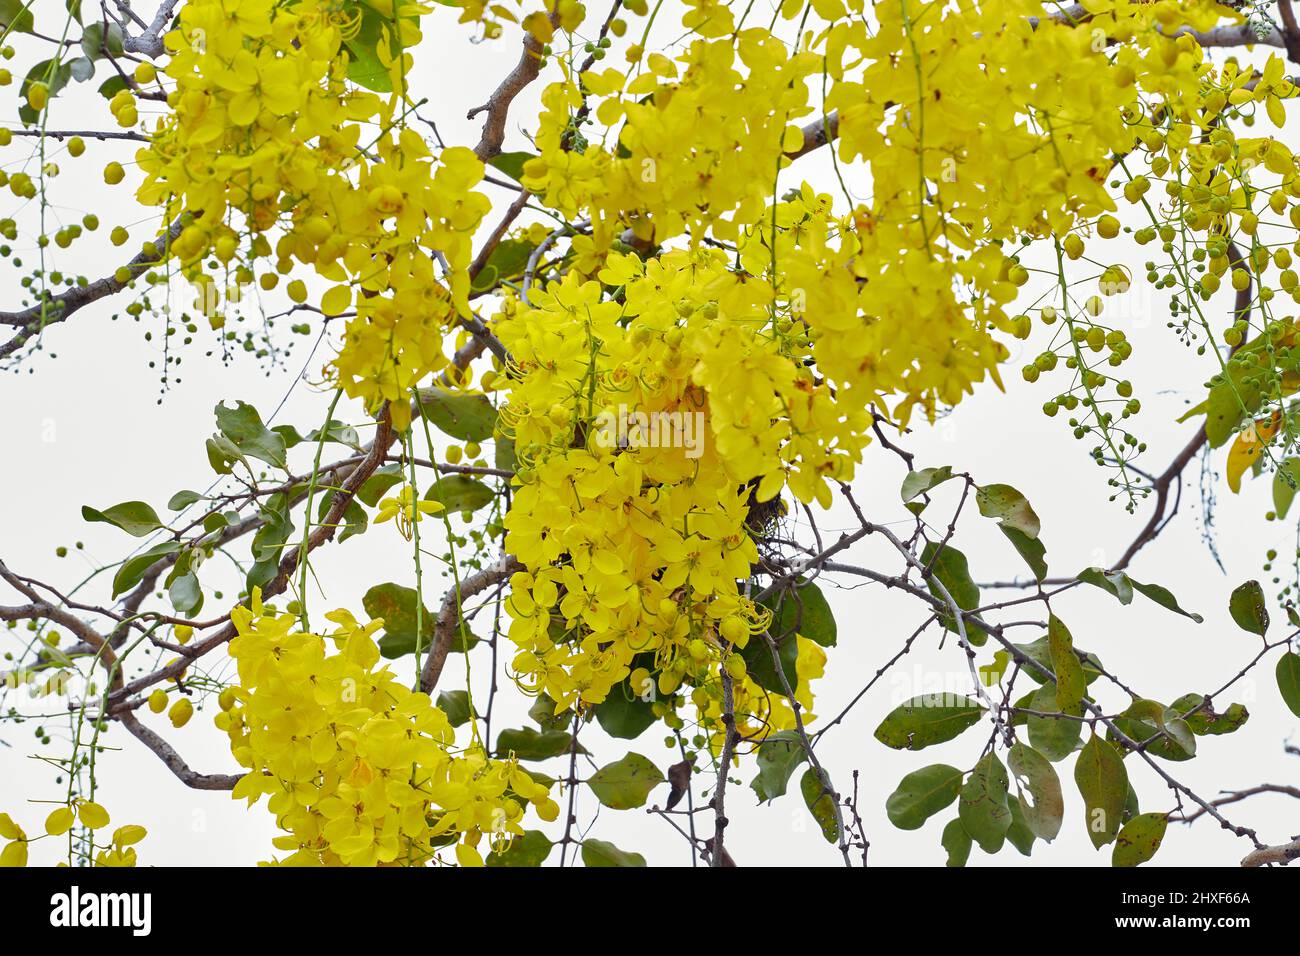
(267, 133)
(118, 852)
(360, 770)
(992, 126)
(650, 429)
(682, 152)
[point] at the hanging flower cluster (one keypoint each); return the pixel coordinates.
(267, 133)
(359, 769)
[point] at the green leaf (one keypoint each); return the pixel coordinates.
(54, 74)
(15, 17)
(462, 416)
(1234, 396)
(928, 719)
(136, 518)
(757, 655)
(183, 499)
(503, 454)
(982, 806)
(1180, 733)
(112, 86)
(222, 454)
(1115, 583)
(1248, 608)
(1103, 784)
(1030, 549)
(354, 519)
(373, 488)
(1054, 737)
(455, 704)
(1019, 834)
(543, 713)
(1039, 788)
(242, 425)
(778, 756)
(1206, 721)
(337, 432)
(365, 68)
(919, 482)
(1288, 680)
(626, 783)
(820, 804)
(530, 848)
(1164, 598)
(1121, 586)
(277, 527)
(460, 493)
(623, 714)
(218, 520)
(804, 610)
(1009, 507)
(1131, 808)
(512, 164)
(507, 262)
(186, 595)
(1070, 681)
(1138, 841)
(1285, 481)
(1139, 725)
(397, 606)
(82, 68)
(95, 40)
(922, 794)
(600, 853)
(1040, 651)
(259, 574)
(957, 842)
(950, 567)
(528, 744)
(132, 570)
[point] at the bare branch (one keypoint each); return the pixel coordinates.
(173, 761)
(448, 623)
(498, 105)
(1282, 854)
(57, 308)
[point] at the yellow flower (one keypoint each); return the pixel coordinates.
(407, 509)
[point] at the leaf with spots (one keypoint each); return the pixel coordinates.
(1139, 839)
(927, 720)
(1248, 608)
(982, 806)
(1040, 791)
(921, 794)
(625, 784)
(821, 804)
(1103, 784)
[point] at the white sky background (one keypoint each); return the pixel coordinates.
(86, 428)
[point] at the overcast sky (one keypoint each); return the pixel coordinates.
(86, 428)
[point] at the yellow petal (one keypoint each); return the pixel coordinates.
(8, 829)
(337, 300)
(15, 854)
(131, 833)
(60, 821)
(1246, 449)
(92, 814)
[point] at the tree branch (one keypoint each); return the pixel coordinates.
(1283, 854)
(447, 625)
(498, 105)
(57, 308)
(173, 761)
